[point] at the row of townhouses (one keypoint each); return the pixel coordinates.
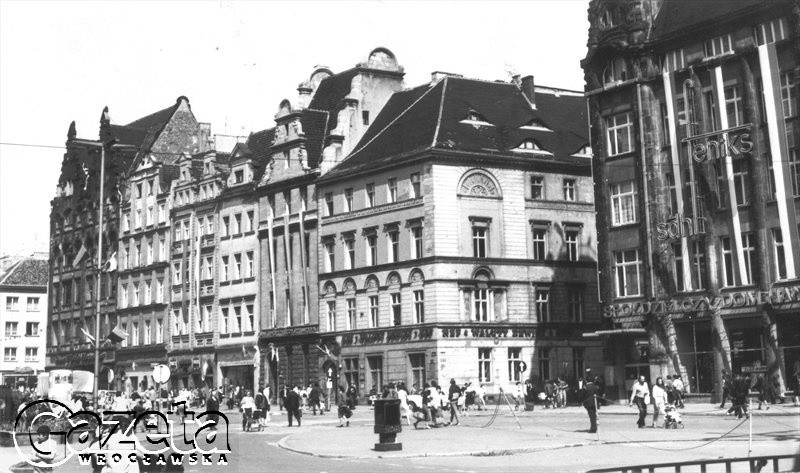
(375, 233)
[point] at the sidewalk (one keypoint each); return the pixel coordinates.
(542, 429)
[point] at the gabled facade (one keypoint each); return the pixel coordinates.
(694, 114)
(310, 137)
(457, 239)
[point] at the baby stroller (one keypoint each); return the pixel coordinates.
(250, 419)
(672, 418)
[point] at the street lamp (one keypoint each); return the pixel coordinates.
(102, 146)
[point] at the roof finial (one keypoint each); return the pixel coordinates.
(71, 133)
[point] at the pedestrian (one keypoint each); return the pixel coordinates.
(561, 392)
(260, 401)
(480, 393)
(405, 409)
(314, 399)
(760, 386)
(292, 405)
(352, 396)
(660, 399)
(740, 388)
(343, 410)
(44, 450)
(726, 388)
(247, 405)
(640, 395)
(454, 394)
(212, 408)
(267, 402)
(550, 394)
(284, 391)
(519, 396)
(678, 387)
(530, 395)
(795, 384)
(589, 399)
(670, 389)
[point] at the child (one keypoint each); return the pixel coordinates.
(344, 409)
(44, 450)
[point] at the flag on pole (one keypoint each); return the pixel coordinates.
(117, 335)
(88, 335)
(79, 256)
(111, 264)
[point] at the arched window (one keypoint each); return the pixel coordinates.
(483, 300)
(479, 183)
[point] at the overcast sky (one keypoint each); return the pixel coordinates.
(235, 61)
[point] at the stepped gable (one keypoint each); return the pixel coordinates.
(435, 118)
(29, 272)
(676, 16)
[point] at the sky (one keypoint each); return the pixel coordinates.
(235, 61)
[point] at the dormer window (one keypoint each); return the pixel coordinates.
(238, 176)
(718, 46)
(615, 71)
(530, 146)
(585, 152)
(536, 124)
(476, 119)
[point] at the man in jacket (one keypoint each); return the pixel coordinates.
(589, 396)
(292, 404)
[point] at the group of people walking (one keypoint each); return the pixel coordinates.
(663, 396)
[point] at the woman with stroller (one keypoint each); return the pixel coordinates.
(660, 400)
(247, 404)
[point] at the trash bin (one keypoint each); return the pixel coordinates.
(387, 424)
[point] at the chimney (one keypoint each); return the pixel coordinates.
(436, 76)
(527, 87)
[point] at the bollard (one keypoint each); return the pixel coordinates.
(387, 424)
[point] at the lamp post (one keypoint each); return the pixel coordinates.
(102, 146)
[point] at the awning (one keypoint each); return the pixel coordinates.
(616, 331)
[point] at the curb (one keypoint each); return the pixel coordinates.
(479, 453)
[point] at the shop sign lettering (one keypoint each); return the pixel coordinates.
(739, 299)
(679, 226)
(487, 332)
(387, 336)
(720, 144)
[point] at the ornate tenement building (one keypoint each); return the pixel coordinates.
(311, 135)
(457, 239)
(694, 116)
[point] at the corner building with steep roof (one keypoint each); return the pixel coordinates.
(457, 240)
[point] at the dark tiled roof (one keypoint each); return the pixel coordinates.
(424, 118)
(155, 119)
(128, 135)
(28, 272)
(258, 144)
(676, 16)
(330, 92)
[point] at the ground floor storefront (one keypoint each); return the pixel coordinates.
(191, 369)
(292, 356)
(749, 342)
(133, 368)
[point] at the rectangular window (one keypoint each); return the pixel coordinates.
(375, 364)
(749, 249)
(135, 334)
(778, 253)
(287, 199)
(397, 318)
(374, 312)
(123, 296)
(542, 305)
(514, 364)
(619, 134)
(372, 250)
(677, 267)
(159, 331)
(350, 253)
(575, 304)
(10, 354)
(32, 329)
(249, 221)
(162, 213)
(126, 222)
(479, 243)
(698, 265)
(673, 193)
(365, 122)
(303, 199)
(331, 316)
(149, 216)
(251, 323)
(727, 262)
(350, 371)
(370, 190)
(711, 106)
(626, 269)
(351, 314)
(416, 190)
(159, 296)
(718, 46)
(11, 329)
(226, 226)
(416, 241)
(329, 204)
(419, 306)
(394, 246)
(722, 184)
(569, 190)
(673, 61)
(148, 292)
(148, 333)
(788, 94)
(135, 300)
(237, 224)
(348, 199)
(237, 312)
(237, 266)
(539, 243)
(571, 242)
(330, 256)
(248, 269)
(225, 275)
(481, 304)
(770, 31)
(544, 363)
(31, 354)
(794, 170)
(391, 187)
(224, 326)
(623, 203)
(484, 365)
(33, 304)
(417, 363)
(162, 249)
(734, 106)
(537, 187)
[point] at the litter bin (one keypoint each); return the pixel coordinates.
(387, 424)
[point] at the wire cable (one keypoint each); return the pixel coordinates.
(687, 448)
